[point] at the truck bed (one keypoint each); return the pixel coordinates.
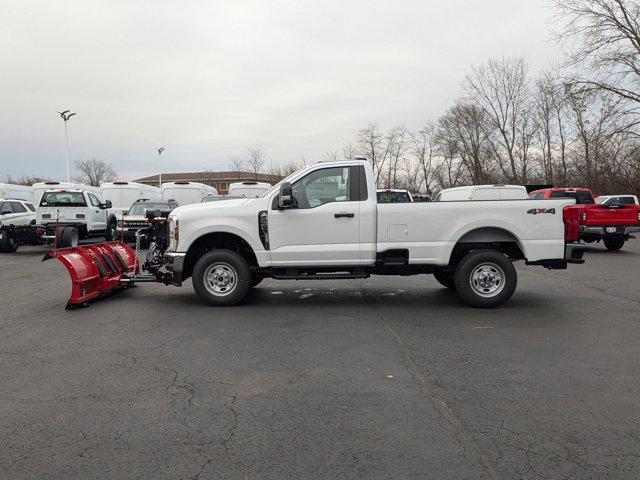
(430, 230)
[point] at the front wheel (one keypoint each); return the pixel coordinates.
(485, 279)
(614, 244)
(8, 244)
(222, 278)
(112, 232)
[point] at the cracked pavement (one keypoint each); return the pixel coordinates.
(387, 377)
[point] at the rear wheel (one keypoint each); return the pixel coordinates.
(485, 279)
(446, 279)
(8, 244)
(614, 243)
(70, 237)
(222, 278)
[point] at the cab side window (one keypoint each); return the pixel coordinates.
(94, 200)
(323, 186)
(30, 207)
(17, 207)
(6, 209)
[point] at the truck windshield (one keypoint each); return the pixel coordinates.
(63, 199)
(393, 197)
(582, 197)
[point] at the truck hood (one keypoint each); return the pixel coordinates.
(198, 209)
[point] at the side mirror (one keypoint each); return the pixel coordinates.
(106, 205)
(285, 199)
(125, 212)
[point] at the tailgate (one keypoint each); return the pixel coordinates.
(597, 216)
(65, 214)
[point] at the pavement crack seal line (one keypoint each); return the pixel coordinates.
(231, 406)
(463, 436)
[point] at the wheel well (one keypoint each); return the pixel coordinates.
(487, 238)
(213, 241)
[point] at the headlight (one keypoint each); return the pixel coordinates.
(174, 233)
(122, 223)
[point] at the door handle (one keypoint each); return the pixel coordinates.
(344, 215)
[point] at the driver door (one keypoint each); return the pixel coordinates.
(97, 216)
(324, 228)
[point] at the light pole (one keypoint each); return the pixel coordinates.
(66, 116)
(160, 150)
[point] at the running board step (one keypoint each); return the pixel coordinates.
(320, 276)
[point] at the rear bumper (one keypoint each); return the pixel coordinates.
(602, 230)
(573, 253)
(174, 263)
(81, 227)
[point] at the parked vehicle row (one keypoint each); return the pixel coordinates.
(324, 222)
(613, 221)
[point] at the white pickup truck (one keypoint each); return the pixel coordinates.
(324, 222)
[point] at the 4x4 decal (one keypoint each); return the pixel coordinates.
(536, 211)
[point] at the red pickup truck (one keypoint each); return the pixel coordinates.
(613, 223)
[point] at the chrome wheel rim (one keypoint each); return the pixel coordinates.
(220, 279)
(487, 280)
(74, 238)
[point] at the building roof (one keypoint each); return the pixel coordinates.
(212, 176)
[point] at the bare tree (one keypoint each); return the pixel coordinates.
(236, 164)
(256, 160)
(331, 156)
(423, 151)
(603, 39)
(349, 151)
(94, 172)
(462, 132)
(500, 89)
(396, 140)
(27, 180)
(375, 147)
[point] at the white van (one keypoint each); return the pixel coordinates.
(185, 193)
(40, 187)
(124, 194)
(16, 192)
(249, 189)
(483, 192)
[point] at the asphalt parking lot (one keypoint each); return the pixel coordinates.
(378, 378)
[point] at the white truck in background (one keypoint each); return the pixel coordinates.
(81, 209)
(324, 223)
(123, 195)
(248, 189)
(483, 192)
(186, 193)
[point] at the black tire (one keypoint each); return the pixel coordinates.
(256, 279)
(70, 237)
(485, 279)
(614, 244)
(112, 231)
(59, 237)
(232, 268)
(8, 244)
(445, 278)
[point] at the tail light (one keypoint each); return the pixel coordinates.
(570, 217)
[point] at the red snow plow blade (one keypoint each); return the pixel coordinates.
(96, 270)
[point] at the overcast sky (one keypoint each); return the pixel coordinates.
(210, 79)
